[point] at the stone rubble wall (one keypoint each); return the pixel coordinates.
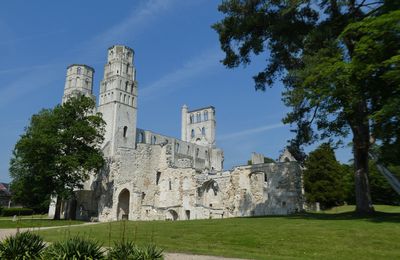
(163, 185)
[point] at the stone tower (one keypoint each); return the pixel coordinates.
(79, 80)
(198, 126)
(118, 99)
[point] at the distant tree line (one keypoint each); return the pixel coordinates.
(331, 183)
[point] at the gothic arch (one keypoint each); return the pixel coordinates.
(123, 205)
(172, 215)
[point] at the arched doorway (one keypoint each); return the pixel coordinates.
(171, 215)
(123, 205)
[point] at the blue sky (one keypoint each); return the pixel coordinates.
(177, 58)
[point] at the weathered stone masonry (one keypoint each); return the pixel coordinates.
(149, 176)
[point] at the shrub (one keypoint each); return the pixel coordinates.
(128, 250)
(74, 248)
(6, 212)
(24, 245)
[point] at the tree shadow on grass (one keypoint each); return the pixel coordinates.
(377, 216)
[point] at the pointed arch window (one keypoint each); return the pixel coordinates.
(205, 115)
(141, 138)
(198, 117)
(203, 131)
(79, 70)
(192, 133)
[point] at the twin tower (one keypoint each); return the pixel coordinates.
(118, 102)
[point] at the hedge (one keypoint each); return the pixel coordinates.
(6, 212)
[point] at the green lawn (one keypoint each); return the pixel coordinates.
(348, 208)
(306, 236)
(25, 223)
(40, 216)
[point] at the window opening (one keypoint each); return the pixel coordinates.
(158, 175)
(125, 130)
(205, 115)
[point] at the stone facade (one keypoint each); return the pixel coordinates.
(149, 176)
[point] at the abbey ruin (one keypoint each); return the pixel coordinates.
(149, 176)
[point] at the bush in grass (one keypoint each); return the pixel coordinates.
(74, 248)
(24, 245)
(128, 250)
(6, 212)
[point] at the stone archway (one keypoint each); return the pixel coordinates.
(123, 205)
(171, 215)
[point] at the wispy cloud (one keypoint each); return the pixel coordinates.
(23, 69)
(249, 131)
(130, 26)
(137, 20)
(206, 61)
(25, 85)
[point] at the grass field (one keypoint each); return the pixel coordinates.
(327, 235)
(36, 216)
(25, 223)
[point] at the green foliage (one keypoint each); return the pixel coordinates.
(6, 212)
(339, 61)
(56, 153)
(75, 248)
(323, 178)
(381, 191)
(128, 250)
(24, 245)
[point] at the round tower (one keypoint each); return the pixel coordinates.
(79, 80)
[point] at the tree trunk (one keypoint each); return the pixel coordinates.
(360, 149)
(57, 212)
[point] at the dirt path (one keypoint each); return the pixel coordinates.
(167, 256)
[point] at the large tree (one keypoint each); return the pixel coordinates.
(324, 178)
(57, 152)
(339, 61)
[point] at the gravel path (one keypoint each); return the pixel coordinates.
(167, 256)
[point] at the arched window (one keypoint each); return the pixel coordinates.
(205, 115)
(132, 101)
(265, 177)
(141, 137)
(206, 154)
(203, 131)
(132, 88)
(191, 118)
(197, 152)
(120, 97)
(170, 185)
(126, 86)
(125, 130)
(79, 70)
(177, 147)
(192, 133)
(153, 140)
(198, 117)
(124, 98)
(127, 68)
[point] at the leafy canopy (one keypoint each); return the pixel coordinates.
(58, 150)
(323, 178)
